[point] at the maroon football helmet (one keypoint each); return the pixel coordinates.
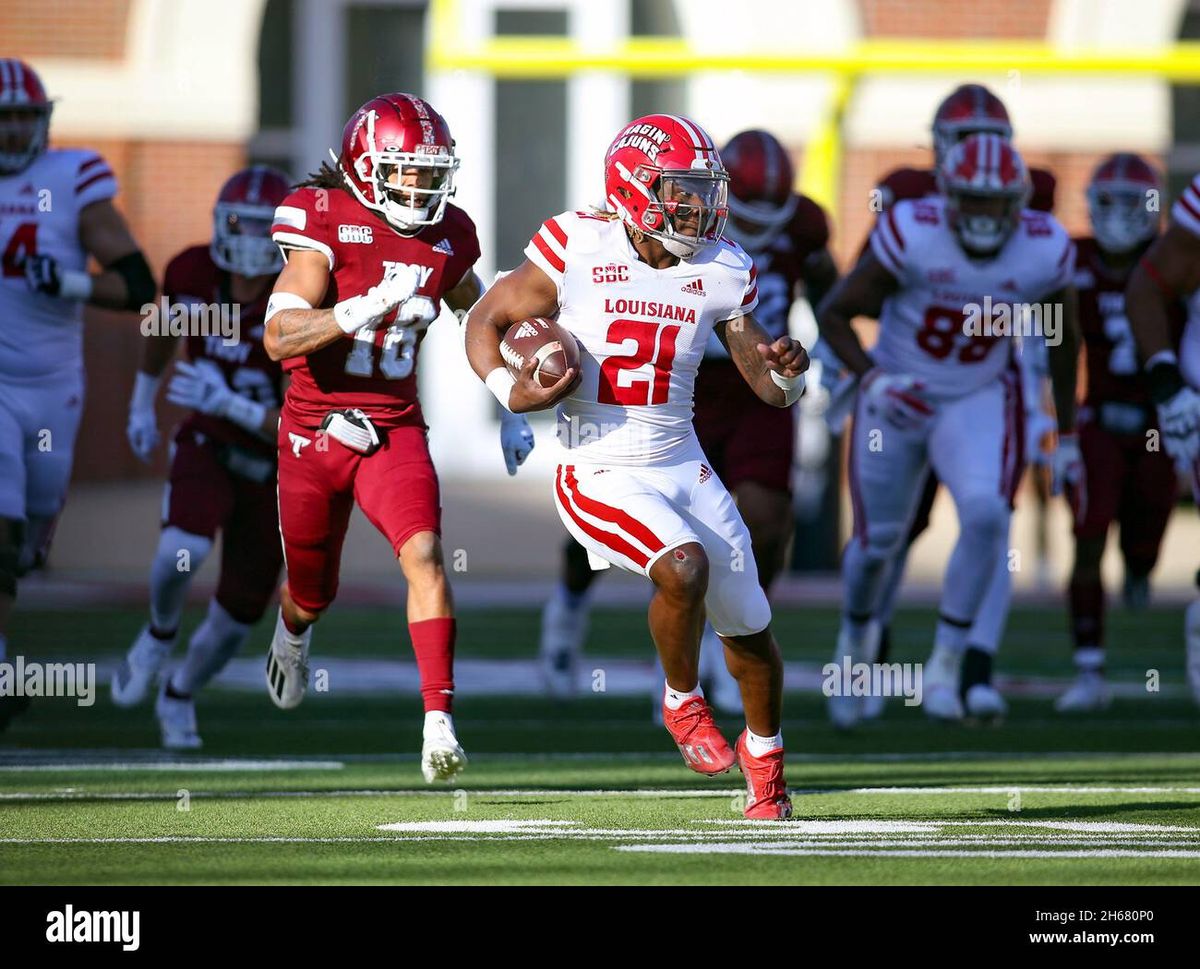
(242, 218)
(968, 110)
(24, 116)
(761, 200)
(1119, 198)
(390, 136)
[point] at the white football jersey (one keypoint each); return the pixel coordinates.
(642, 332)
(949, 323)
(39, 214)
(1186, 214)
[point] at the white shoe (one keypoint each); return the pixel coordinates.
(985, 702)
(287, 666)
(1191, 627)
(1088, 692)
(177, 721)
(940, 685)
(564, 630)
(844, 709)
(132, 679)
(723, 691)
(442, 756)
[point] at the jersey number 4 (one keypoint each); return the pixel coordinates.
(656, 345)
(21, 245)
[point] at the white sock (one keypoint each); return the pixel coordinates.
(761, 746)
(1089, 659)
(950, 637)
(179, 557)
(214, 643)
(674, 699)
(434, 719)
(286, 636)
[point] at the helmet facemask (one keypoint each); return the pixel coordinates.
(411, 207)
(242, 241)
(983, 221)
(686, 210)
(1121, 219)
(24, 131)
(755, 225)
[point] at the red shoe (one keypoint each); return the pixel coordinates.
(696, 735)
(766, 790)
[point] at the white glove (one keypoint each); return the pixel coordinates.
(516, 440)
(1066, 465)
(142, 429)
(201, 386)
(897, 398)
(1037, 425)
(397, 285)
(416, 311)
(1179, 421)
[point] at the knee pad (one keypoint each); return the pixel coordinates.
(984, 517)
(884, 539)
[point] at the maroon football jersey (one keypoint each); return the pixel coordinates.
(780, 269)
(373, 369)
(916, 183)
(192, 278)
(1114, 372)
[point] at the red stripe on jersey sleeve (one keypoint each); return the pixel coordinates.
(89, 181)
(751, 296)
(1192, 208)
(90, 163)
(551, 256)
(556, 230)
(891, 221)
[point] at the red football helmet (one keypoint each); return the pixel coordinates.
(968, 110)
(663, 176)
(397, 135)
(761, 200)
(24, 115)
(1118, 202)
(242, 218)
(986, 186)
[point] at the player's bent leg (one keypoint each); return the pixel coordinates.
(680, 578)
(179, 555)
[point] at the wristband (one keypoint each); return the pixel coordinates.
(75, 285)
(348, 314)
(500, 382)
(284, 301)
(792, 387)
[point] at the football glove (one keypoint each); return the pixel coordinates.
(516, 440)
(1179, 422)
(898, 399)
(142, 428)
(201, 386)
(398, 284)
(1066, 466)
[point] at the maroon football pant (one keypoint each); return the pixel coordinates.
(320, 479)
(203, 497)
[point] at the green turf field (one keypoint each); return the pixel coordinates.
(589, 791)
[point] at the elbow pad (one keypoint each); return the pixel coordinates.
(140, 287)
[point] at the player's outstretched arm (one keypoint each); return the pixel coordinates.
(1064, 357)
(774, 370)
(525, 292)
(1169, 270)
(860, 293)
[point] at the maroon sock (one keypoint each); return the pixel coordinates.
(1087, 614)
(433, 644)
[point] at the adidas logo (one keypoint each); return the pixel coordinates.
(694, 288)
(705, 473)
(444, 246)
(525, 329)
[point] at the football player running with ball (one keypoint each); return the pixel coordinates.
(633, 486)
(937, 391)
(373, 248)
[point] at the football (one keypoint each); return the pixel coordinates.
(553, 348)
